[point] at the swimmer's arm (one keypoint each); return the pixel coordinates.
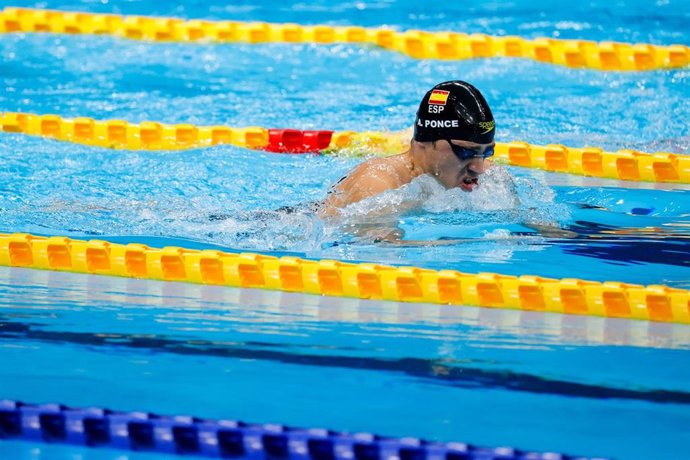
(425, 243)
(542, 231)
(550, 231)
(375, 233)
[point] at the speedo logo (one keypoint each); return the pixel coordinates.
(438, 123)
(487, 126)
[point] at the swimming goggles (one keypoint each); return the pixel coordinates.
(464, 153)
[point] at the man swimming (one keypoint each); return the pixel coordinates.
(452, 142)
(453, 137)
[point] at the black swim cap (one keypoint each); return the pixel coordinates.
(454, 110)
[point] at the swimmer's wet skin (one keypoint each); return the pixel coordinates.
(453, 138)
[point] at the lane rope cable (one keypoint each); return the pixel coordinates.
(628, 165)
(345, 279)
(184, 435)
(418, 44)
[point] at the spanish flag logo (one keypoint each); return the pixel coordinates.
(438, 97)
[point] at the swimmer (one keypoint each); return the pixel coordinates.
(452, 143)
(453, 139)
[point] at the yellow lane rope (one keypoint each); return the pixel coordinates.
(343, 279)
(565, 329)
(415, 43)
(589, 161)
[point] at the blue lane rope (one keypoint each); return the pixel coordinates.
(143, 431)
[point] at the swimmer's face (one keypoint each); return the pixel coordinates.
(454, 171)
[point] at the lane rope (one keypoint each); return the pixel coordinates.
(185, 435)
(418, 44)
(345, 279)
(628, 165)
(554, 329)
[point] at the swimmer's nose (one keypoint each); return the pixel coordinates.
(477, 166)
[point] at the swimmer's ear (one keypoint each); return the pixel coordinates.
(419, 145)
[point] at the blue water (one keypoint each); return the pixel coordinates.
(344, 364)
(548, 382)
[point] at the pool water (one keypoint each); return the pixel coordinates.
(543, 382)
(547, 381)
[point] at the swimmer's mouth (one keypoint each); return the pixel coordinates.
(469, 183)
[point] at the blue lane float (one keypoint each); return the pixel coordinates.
(184, 435)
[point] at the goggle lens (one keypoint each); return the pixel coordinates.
(465, 154)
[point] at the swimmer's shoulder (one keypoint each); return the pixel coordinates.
(373, 176)
(368, 179)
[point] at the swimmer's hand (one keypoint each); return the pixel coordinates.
(374, 233)
(551, 231)
(387, 235)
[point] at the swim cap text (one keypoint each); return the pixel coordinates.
(438, 123)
